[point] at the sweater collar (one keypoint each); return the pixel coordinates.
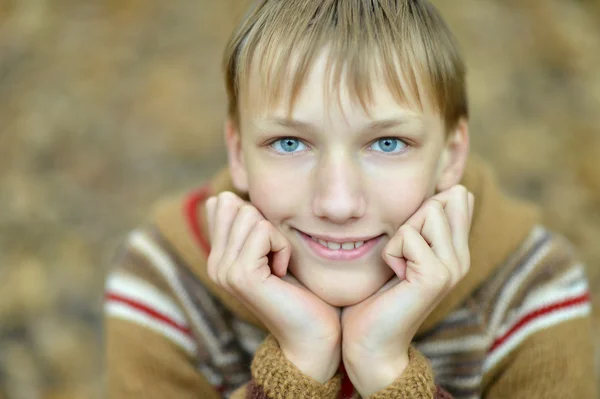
(500, 225)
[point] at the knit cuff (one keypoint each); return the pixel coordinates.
(415, 382)
(278, 377)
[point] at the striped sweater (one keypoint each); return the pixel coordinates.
(507, 330)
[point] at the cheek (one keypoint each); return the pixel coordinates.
(274, 194)
(397, 202)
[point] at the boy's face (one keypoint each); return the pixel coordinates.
(334, 171)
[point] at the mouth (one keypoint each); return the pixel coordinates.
(337, 250)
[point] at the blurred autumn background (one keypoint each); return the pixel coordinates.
(107, 105)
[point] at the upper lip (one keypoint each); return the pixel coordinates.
(341, 240)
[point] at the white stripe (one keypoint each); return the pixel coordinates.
(532, 327)
(140, 291)
(250, 337)
(126, 312)
(211, 376)
(466, 343)
(438, 362)
(458, 315)
(577, 272)
(540, 299)
(460, 382)
(516, 282)
(249, 345)
(166, 267)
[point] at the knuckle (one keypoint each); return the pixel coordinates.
(405, 229)
(212, 274)
(227, 196)
(222, 278)
(247, 210)
(434, 206)
(235, 279)
(460, 189)
(228, 199)
(441, 280)
(263, 226)
(246, 207)
(466, 264)
(210, 202)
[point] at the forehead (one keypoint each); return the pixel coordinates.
(323, 98)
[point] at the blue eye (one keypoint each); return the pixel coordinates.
(287, 145)
(389, 144)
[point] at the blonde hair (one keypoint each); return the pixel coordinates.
(405, 41)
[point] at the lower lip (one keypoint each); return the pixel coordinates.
(339, 254)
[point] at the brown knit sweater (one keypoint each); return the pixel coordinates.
(506, 331)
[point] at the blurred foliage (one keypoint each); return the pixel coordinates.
(105, 106)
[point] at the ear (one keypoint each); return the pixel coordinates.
(454, 157)
(237, 165)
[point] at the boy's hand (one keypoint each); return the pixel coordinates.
(430, 255)
(249, 258)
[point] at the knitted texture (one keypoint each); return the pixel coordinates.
(416, 382)
(254, 391)
(279, 378)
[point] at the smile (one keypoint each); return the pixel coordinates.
(336, 250)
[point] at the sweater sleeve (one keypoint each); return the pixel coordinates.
(543, 344)
(273, 376)
(149, 350)
(152, 347)
(555, 362)
(143, 363)
(417, 381)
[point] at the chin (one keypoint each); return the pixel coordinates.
(339, 286)
(341, 295)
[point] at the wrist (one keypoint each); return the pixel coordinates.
(370, 375)
(316, 363)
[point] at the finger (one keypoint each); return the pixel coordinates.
(457, 212)
(209, 210)
(247, 217)
(224, 215)
(392, 255)
(423, 266)
(281, 251)
(438, 229)
(265, 240)
(417, 220)
(436, 232)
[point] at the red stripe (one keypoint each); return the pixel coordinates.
(539, 313)
(148, 311)
(193, 217)
(347, 388)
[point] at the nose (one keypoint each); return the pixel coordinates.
(339, 196)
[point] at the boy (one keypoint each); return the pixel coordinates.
(349, 249)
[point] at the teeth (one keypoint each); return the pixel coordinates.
(333, 245)
(336, 246)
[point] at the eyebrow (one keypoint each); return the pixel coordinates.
(377, 125)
